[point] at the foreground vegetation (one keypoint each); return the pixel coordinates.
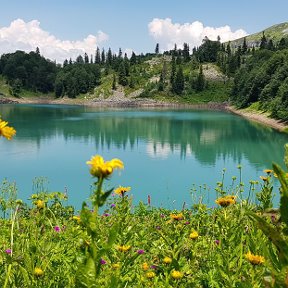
(110, 243)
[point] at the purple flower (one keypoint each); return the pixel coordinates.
(217, 242)
(162, 215)
(8, 251)
(140, 251)
(106, 214)
(187, 223)
(153, 267)
(158, 227)
(113, 206)
(57, 228)
(102, 261)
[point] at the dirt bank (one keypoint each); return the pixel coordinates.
(260, 117)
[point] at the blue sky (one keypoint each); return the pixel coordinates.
(62, 27)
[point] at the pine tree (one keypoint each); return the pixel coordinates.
(86, 58)
(103, 57)
(200, 81)
(244, 46)
(114, 82)
(109, 57)
(179, 81)
(173, 72)
(157, 48)
(133, 59)
(97, 56)
(263, 43)
(122, 80)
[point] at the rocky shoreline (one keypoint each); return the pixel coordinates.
(125, 102)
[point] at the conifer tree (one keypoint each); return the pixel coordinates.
(179, 81)
(103, 57)
(263, 43)
(114, 82)
(157, 48)
(97, 56)
(200, 81)
(244, 46)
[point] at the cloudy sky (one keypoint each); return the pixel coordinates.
(68, 28)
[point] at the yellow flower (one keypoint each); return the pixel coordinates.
(254, 259)
(167, 260)
(150, 274)
(226, 200)
(177, 216)
(116, 266)
(77, 218)
(124, 248)
(122, 190)
(145, 266)
(268, 171)
(264, 178)
(193, 235)
(99, 168)
(6, 131)
(40, 204)
(38, 272)
(176, 274)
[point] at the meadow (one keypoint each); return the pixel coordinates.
(111, 243)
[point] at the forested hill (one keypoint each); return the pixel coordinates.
(251, 71)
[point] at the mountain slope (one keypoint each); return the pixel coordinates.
(275, 33)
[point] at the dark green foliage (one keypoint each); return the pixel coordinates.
(208, 51)
(122, 80)
(178, 84)
(30, 71)
(157, 48)
(264, 78)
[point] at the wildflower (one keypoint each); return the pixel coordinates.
(140, 251)
(122, 190)
(177, 216)
(187, 223)
(268, 171)
(226, 200)
(265, 179)
(57, 228)
(176, 274)
(38, 272)
(106, 215)
(158, 227)
(113, 206)
(115, 266)
(154, 267)
(194, 235)
(254, 259)
(40, 204)
(150, 274)
(8, 251)
(76, 218)
(162, 215)
(167, 260)
(102, 261)
(99, 168)
(145, 266)
(124, 248)
(6, 131)
(217, 242)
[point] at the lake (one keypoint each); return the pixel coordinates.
(168, 154)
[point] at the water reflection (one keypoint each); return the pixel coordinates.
(207, 135)
(165, 151)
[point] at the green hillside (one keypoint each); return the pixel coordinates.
(275, 33)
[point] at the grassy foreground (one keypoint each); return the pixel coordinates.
(236, 244)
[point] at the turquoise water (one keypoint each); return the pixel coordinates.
(166, 153)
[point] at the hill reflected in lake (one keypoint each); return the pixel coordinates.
(165, 152)
(206, 134)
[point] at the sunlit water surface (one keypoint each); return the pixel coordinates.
(168, 154)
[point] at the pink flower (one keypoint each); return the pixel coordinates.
(8, 251)
(57, 228)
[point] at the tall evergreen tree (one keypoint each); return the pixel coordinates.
(157, 48)
(200, 81)
(103, 57)
(109, 57)
(86, 58)
(179, 81)
(263, 43)
(244, 46)
(98, 56)
(122, 78)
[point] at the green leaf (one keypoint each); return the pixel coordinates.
(273, 234)
(86, 275)
(284, 193)
(104, 197)
(112, 235)
(286, 155)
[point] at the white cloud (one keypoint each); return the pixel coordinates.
(26, 36)
(167, 34)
